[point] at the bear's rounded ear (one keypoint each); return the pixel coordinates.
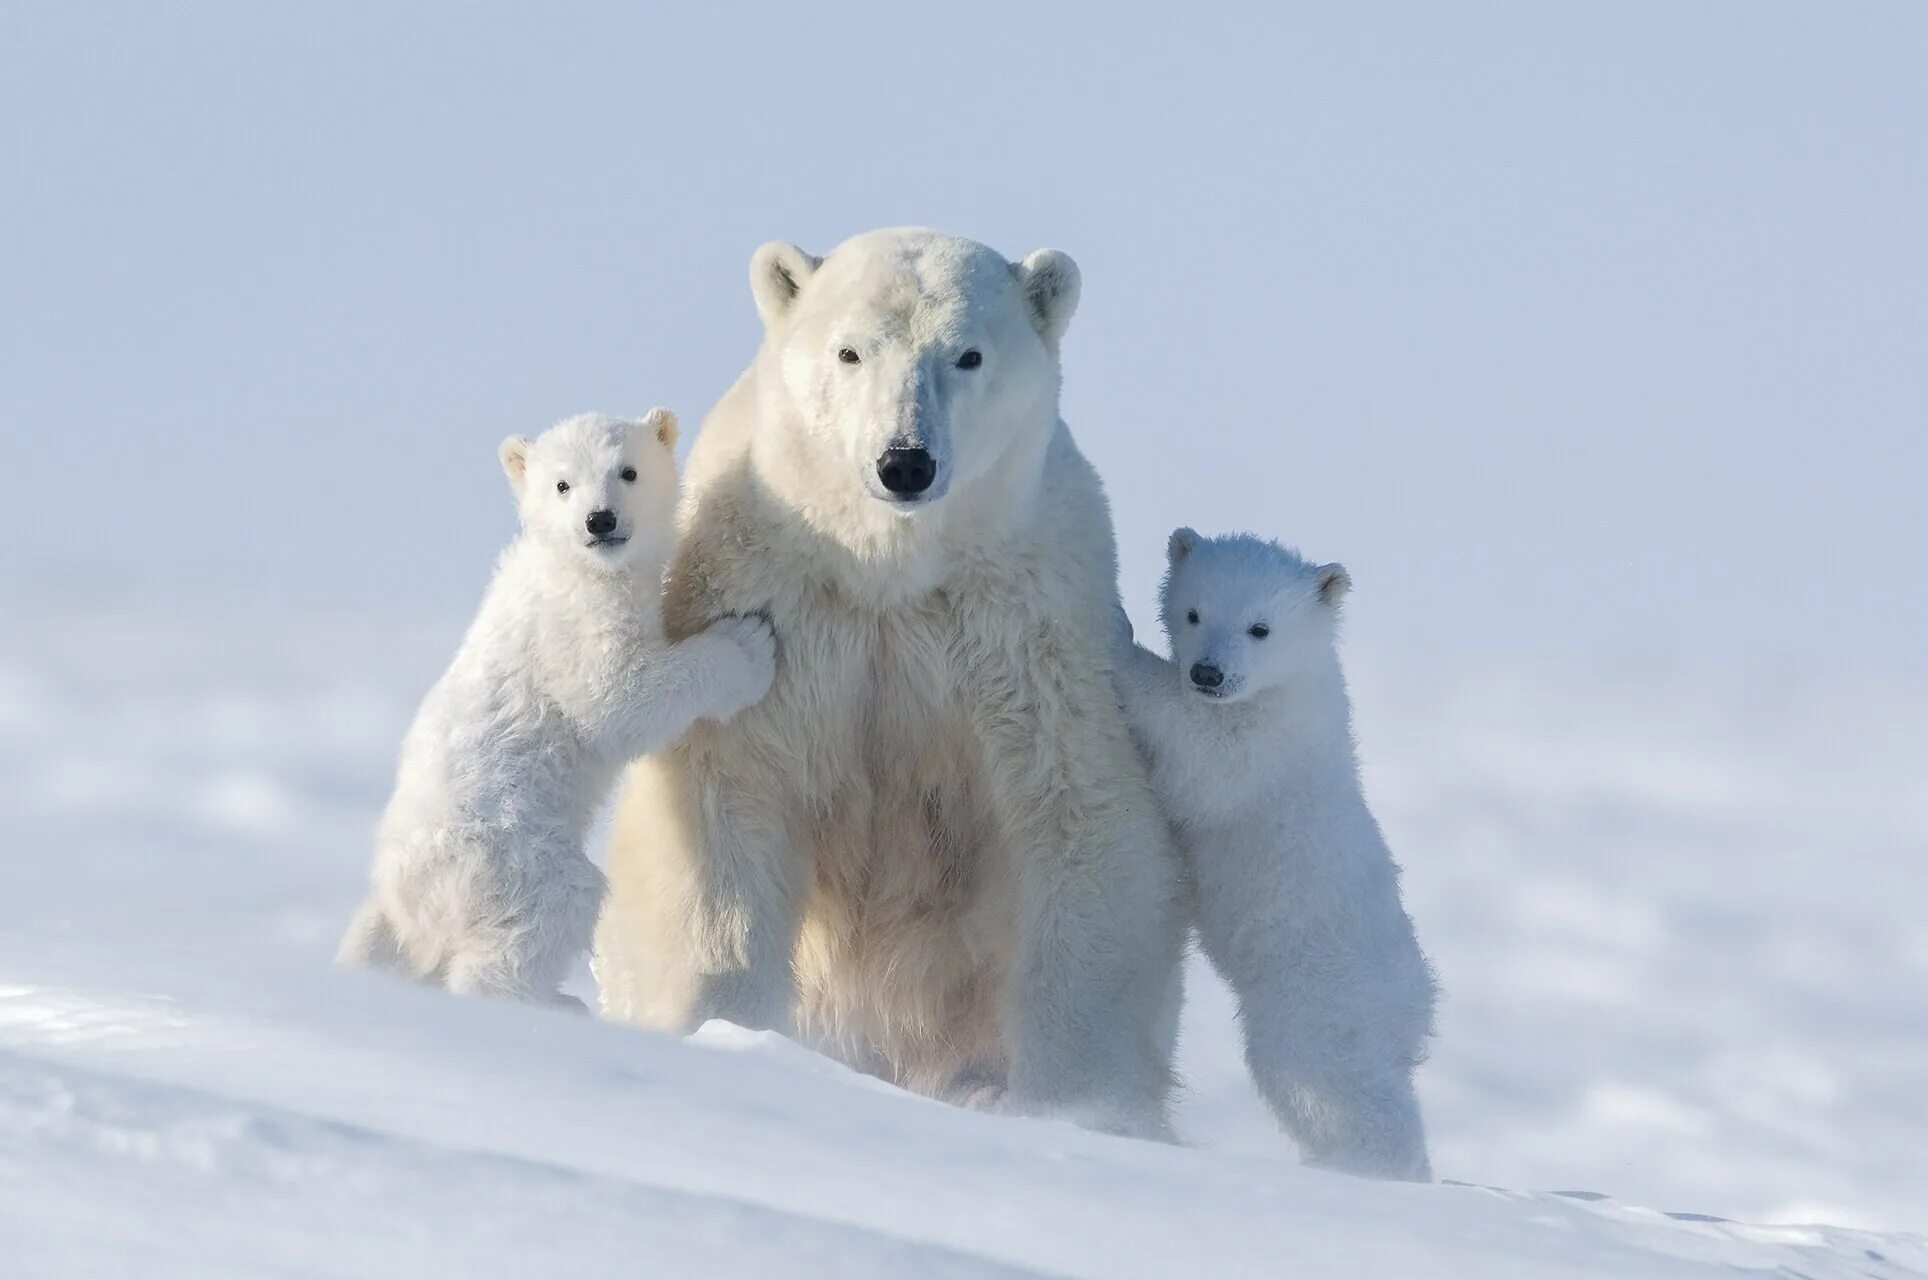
(1051, 284)
(1181, 544)
(1334, 582)
(777, 274)
(514, 453)
(663, 423)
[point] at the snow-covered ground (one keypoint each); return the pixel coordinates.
(1678, 915)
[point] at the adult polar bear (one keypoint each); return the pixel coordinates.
(932, 850)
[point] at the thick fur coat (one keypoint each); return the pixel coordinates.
(1248, 728)
(480, 881)
(933, 850)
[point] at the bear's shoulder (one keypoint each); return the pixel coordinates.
(1073, 515)
(1059, 558)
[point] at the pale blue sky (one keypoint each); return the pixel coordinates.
(1567, 327)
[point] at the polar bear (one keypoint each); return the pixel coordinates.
(933, 850)
(480, 880)
(1249, 731)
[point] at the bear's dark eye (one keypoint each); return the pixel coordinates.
(846, 355)
(562, 486)
(629, 475)
(1259, 631)
(1191, 616)
(970, 359)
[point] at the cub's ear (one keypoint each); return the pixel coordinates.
(1051, 284)
(777, 275)
(1181, 544)
(1334, 582)
(663, 423)
(514, 453)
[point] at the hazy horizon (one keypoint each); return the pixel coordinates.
(1568, 331)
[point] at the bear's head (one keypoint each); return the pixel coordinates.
(597, 489)
(905, 367)
(1246, 615)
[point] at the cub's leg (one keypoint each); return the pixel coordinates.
(1335, 1014)
(371, 942)
(531, 914)
(1354, 1117)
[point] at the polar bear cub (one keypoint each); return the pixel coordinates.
(480, 881)
(1248, 731)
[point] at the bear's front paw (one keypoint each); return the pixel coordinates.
(751, 666)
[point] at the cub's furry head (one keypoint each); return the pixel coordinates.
(599, 489)
(1246, 615)
(906, 364)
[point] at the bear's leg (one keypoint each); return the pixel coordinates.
(1089, 1010)
(1086, 1011)
(703, 908)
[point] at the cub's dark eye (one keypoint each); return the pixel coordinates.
(629, 475)
(970, 359)
(846, 355)
(562, 486)
(1259, 631)
(1191, 616)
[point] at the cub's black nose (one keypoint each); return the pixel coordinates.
(1207, 677)
(601, 522)
(907, 472)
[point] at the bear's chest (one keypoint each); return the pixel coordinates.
(897, 823)
(891, 775)
(883, 687)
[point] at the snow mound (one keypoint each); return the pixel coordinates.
(298, 1121)
(1657, 987)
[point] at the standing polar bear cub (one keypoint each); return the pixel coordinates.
(480, 881)
(1297, 897)
(932, 850)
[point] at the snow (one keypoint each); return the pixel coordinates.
(1588, 337)
(1676, 913)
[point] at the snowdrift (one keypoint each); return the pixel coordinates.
(1654, 990)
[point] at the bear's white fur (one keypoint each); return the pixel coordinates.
(933, 850)
(480, 880)
(1249, 731)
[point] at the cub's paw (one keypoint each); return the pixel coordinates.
(978, 1089)
(750, 664)
(1145, 1124)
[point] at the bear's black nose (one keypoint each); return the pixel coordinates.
(907, 472)
(601, 522)
(1206, 676)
